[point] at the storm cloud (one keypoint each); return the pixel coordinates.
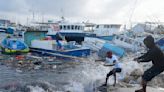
(100, 11)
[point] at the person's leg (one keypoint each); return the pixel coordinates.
(148, 76)
(114, 78)
(144, 84)
(116, 70)
(113, 72)
(145, 78)
(107, 77)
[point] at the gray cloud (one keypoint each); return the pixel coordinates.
(69, 8)
(117, 6)
(13, 6)
(101, 10)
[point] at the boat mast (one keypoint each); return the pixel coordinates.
(132, 13)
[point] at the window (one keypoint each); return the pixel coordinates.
(117, 37)
(68, 27)
(75, 27)
(72, 27)
(78, 28)
(97, 26)
(122, 39)
(108, 26)
(64, 27)
(61, 27)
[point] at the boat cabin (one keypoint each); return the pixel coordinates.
(106, 29)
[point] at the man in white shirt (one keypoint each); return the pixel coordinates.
(112, 60)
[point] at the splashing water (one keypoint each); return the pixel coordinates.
(83, 77)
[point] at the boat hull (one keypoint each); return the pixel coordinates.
(160, 43)
(13, 46)
(110, 47)
(82, 52)
(12, 51)
(108, 38)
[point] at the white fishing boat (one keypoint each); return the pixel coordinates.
(128, 43)
(107, 31)
(72, 31)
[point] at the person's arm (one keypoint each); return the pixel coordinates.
(146, 57)
(106, 64)
(143, 56)
(103, 60)
(114, 62)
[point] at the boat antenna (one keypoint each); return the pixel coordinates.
(42, 17)
(62, 14)
(156, 21)
(132, 13)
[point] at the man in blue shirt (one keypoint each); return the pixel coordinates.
(59, 45)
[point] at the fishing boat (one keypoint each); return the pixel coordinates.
(102, 46)
(106, 31)
(128, 43)
(50, 47)
(43, 44)
(13, 46)
(72, 31)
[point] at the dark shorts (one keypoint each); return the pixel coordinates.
(118, 70)
(152, 72)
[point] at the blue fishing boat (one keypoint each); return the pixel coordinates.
(102, 46)
(13, 46)
(10, 30)
(111, 47)
(50, 47)
(39, 44)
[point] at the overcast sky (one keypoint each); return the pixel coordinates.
(96, 11)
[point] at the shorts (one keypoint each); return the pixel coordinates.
(118, 70)
(152, 72)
